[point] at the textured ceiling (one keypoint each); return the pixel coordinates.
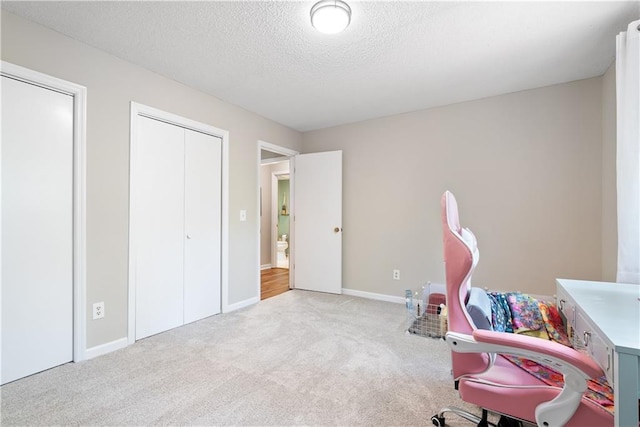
(395, 56)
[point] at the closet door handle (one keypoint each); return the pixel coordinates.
(188, 236)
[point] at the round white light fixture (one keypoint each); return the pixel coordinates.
(330, 16)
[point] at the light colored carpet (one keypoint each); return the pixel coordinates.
(301, 358)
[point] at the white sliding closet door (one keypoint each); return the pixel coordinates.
(203, 192)
(37, 229)
(177, 203)
(159, 227)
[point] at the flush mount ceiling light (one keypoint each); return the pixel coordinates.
(330, 16)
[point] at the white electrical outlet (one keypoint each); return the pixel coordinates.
(396, 274)
(98, 310)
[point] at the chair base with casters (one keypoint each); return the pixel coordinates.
(490, 381)
(504, 421)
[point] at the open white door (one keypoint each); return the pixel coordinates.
(318, 222)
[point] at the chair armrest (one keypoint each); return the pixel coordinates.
(538, 346)
(576, 367)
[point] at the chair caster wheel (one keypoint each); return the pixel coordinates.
(437, 421)
(508, 422)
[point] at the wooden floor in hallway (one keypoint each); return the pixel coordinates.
(273, 281)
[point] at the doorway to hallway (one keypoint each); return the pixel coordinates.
(275, 237)
(314, 242)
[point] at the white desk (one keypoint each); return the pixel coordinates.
(608, 316)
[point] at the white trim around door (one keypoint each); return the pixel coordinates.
(79, 94)
(286, 153)
(153, 113)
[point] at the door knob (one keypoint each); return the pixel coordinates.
(188, 236)
(337, 230)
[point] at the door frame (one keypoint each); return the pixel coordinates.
(286, 152)
(138, 110)
(79, 94)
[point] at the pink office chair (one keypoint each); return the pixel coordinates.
(488, 380)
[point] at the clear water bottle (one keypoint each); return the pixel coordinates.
(409, 300)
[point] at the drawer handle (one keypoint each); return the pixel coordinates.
(562, 304)
(587, 336)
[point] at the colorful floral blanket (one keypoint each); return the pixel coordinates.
(520, 313)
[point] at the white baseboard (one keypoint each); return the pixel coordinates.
(371, 295)
(265, 266)
(242, 304)
(102, 349)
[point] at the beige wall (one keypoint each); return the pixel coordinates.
(534, 173)
(266, 223)
(609, 198)
(111, 85)
(525, 167)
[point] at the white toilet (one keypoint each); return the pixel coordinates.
(282, 261)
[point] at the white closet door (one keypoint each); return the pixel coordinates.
(159, 226)
(37, 221)
(202, 225)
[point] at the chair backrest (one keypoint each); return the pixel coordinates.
(461, 255)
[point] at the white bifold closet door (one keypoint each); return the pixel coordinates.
(177, 227)
(202, 207)
(37, 229)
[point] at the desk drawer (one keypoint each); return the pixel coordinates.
(602, 354)
(587, 339)
(583, 335)
(567, 309)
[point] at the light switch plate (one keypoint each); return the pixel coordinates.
(243, 215)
